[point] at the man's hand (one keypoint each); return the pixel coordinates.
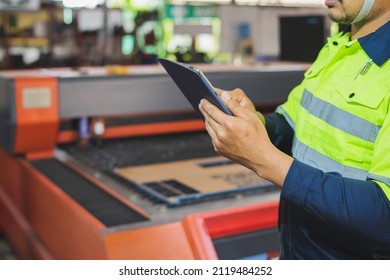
(242, 138)
(241, 98)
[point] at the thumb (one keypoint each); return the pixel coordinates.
(232, 104)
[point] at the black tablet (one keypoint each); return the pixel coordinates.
(193, 84)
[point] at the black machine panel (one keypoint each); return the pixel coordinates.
(7, 115)
(107, 209)
(252, 245)
(110, 154)
(301, 37)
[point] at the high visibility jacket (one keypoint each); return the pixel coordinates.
(335, 202)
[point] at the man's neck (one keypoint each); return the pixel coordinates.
(365, 27)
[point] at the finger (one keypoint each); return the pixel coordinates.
(211, 112)
(237, 94)
(214, 125)
(234, 106)
(211, 125)
(202, 110)
(240, 96)
(211, 132)
(218, 91)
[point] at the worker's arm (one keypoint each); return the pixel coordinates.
(355, 205)
(279, 131)
(244, 139)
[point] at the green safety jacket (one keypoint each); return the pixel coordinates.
(335, 202)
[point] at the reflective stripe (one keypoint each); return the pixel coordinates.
(315, 159)
(383, 179)
(280, 110)
(339, 118)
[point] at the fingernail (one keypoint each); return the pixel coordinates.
(225, 95)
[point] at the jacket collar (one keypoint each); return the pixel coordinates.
(377, 44)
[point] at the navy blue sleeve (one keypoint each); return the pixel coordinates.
(279, 131)
(355, 205)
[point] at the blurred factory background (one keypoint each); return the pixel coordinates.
(74, 33)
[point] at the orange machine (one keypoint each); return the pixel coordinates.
(59, 196)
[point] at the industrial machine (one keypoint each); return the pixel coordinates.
(113, 163)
